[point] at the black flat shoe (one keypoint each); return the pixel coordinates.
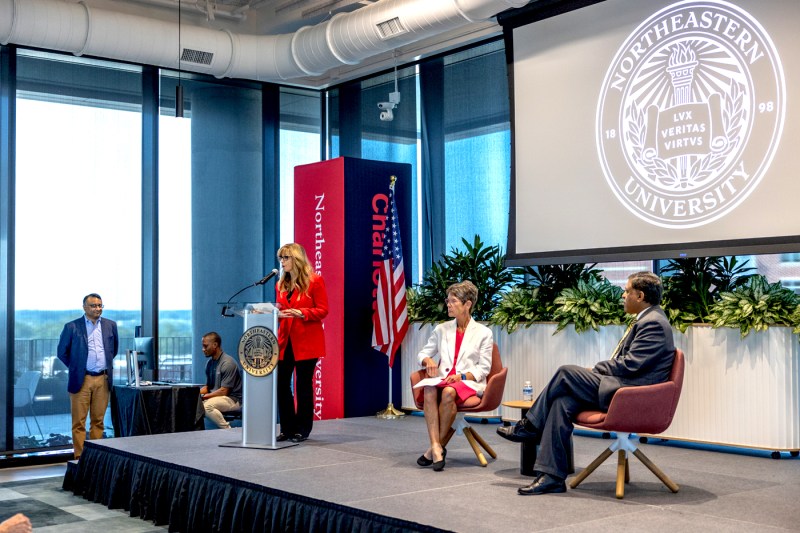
(424, 461)
(281, 437)
(438, 466)
(299, 438)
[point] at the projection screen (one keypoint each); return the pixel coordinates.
(647, 129)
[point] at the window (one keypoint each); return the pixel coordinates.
(617, 273)
(784, 268)
(78, 219)
(477, 146)
(299, 145)
(174, 239)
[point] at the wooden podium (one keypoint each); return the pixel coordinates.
(259, 394)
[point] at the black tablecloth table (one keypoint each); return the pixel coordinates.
(156, 409)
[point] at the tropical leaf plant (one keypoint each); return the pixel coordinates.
(413, 303)
(481, 264)
(548, 281)
(692, 285)
(589, 305)
(518, 306)
(795, 319)
(755, 305)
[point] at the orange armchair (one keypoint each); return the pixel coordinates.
(492, 396)
(644, 409)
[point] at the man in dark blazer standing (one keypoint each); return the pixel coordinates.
(643, 356)
(88, 346)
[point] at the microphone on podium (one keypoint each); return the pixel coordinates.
(227, 306)
(267, 277)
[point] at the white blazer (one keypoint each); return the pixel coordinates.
(474, 357)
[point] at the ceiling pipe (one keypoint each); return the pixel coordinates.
(345, 39)
(194, 6)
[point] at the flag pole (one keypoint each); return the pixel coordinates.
(393, 257)
(390, 411)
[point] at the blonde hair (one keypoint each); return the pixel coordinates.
(300, 276)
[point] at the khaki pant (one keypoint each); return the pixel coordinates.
(91, 400)
(216, 406)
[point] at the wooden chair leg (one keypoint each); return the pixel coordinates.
(671, 485)
(591, 468)
(472, 442)
(621, 474)
(447, 437)
(627, 470)
(483, 443)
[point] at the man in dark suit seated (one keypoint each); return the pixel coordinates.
(643, 356)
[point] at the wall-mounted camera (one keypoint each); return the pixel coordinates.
(386, 111)
(386, 107)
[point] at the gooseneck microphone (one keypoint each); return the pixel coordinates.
(226, 307)
(267, 277)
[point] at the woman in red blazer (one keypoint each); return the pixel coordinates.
(303, 303)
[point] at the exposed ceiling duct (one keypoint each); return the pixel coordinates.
(345, 39)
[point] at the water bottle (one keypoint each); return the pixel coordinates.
(527, 391)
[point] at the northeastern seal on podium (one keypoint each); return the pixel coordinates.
(258, 351)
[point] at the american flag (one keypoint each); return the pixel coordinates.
(390, 316)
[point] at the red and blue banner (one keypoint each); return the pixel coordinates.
(342, 208)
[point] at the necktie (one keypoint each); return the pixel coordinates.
(618, 350)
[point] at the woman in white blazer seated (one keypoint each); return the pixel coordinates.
(458, 352)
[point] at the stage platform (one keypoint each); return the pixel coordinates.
(360, 474)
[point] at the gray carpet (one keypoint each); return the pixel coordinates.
(369, 463)
(52, 509)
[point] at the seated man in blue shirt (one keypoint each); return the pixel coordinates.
(223, 389)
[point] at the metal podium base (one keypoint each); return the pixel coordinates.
(278, 445)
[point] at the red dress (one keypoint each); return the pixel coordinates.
(463, 391)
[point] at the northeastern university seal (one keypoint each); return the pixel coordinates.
(258, 351)
(690, 113)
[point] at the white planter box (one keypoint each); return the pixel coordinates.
(740, 392)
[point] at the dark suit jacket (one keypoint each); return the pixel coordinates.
(645, 358)
(73, 349)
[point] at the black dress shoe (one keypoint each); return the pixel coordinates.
(281, 437)
(299, 438)
(543, 484)
(521, 432)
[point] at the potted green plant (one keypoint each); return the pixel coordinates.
(517, 307)
(692, 285)
(533, 300)
(755, 305)
(479, 263)
(590, 304)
